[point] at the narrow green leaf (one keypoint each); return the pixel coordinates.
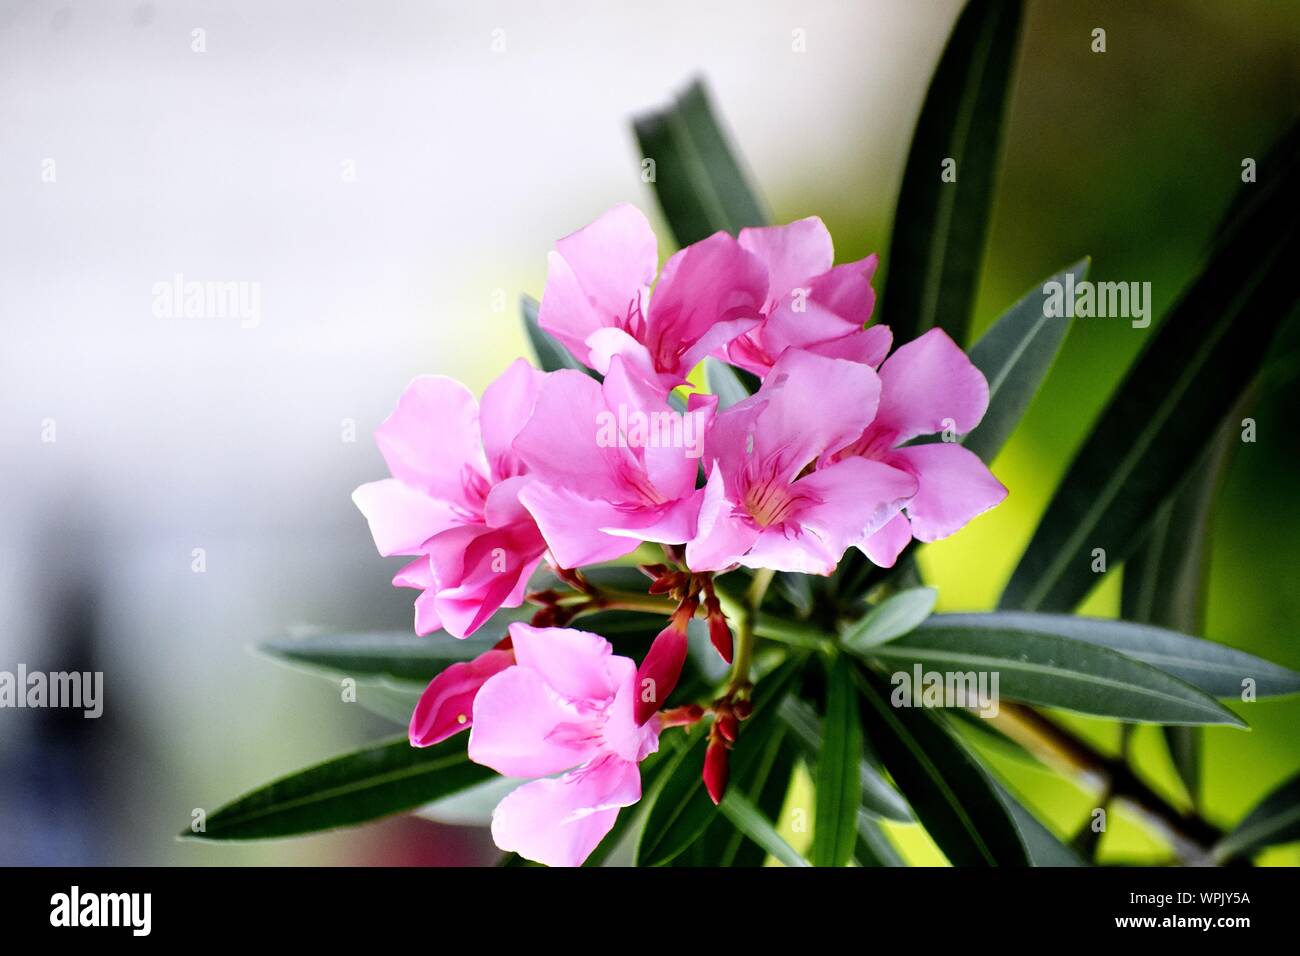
(1157, 425)
(947, 788)
(891, 619)
(1213, 668)
(1274, 821)
(879, 798)
(757, 827)
(939, 226)
(1034, 664)
(1015, 355)
(374, 782)
(722, 844)
(839, 781)
(1043, 846)
(399, 655)
(1165, 579)
(681, 809)
(724, 383)
(551, 354)
(873, 847)
(698, 178)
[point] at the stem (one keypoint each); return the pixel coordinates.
(1190, 835)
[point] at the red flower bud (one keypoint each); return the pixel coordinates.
(716, 770)
(720, 635)
(727, 726)
(742, 709)
(658, 673)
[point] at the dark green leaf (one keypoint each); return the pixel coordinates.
(1213, 668)
(879, 798)
(698, 178)
(1157, 425)
(1033, 662)
(1044, 848)
(891, 619)
(949, 791)
(551, 354)
(1015, 355)
(374, 782)
(681, 810)
(399, 655)
(766, 787)
(1274, 821)
(939, 227)
(758, 828)
(839, 781)
(873, 847)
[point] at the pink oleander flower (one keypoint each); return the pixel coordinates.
(810, 304)
(928, 386)
(453, 500)
(565, 707)
(612, 464)
(597, 299)
(765, 505)
(447, 705)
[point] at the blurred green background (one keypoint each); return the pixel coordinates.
(469, 162)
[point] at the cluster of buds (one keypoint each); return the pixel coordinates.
(727, 714)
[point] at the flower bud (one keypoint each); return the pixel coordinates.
(716, 769)
(447, 704)
(658, 674)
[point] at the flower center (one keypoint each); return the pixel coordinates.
(770, 502)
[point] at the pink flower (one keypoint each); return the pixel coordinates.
(453, 498)
(447, 704)
(597, 299)
(764, 505)
(566, 705)
(613, 465)
(810, 305)
(928, 386)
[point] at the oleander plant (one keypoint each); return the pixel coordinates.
(670, 564)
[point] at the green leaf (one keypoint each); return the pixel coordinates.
(873, 847)
(891, 619)
(879, 798)
(698, 178)
(839, 782)
(939, 227)
(724, 383)
(947, 788)
(681, 809)
(1274, 821)
(373, 782)
(551, 354)
(1212, 668)
(1034, 663)
(757, 827)
(398, 655)
(1043, 846)
(1015, 355)
(1165, 579)
(1157, 425)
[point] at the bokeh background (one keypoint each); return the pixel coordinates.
(393, 174)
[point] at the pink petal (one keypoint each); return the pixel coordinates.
(559, 822)
(721, 536)
(507, 404)
(709, 282)
(574, 663)
(852, 500)
(571, 525)
(523, 727)
(955, 486)
(596, 275)
(884, 547)
(869, 346)
(846, 290)
(658, 674)
(494, 566)
(792, 254)
(928, 383)
(402, 518)
(431, 440)
(446, 706)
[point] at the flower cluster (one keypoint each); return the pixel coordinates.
(579, 469)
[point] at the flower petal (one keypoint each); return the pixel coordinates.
(507, 404)
(721, 536)
(446, 706)
(792, 254)
(432, 438)
(559, 822)
(575, 663)
(402, 518)
(929, 384)
(884, 547)
(524, 728)
(955, 486)
(571, 525)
